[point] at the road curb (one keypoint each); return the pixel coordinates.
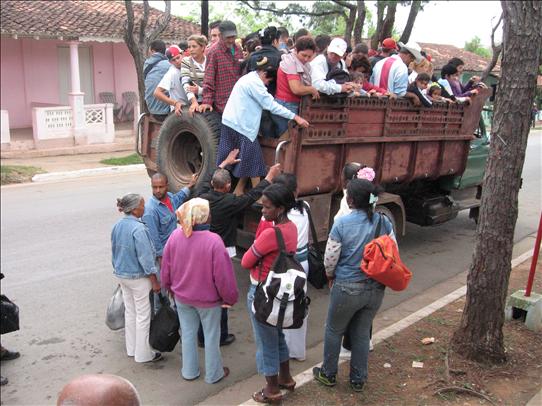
(306, 376)
(46, 177)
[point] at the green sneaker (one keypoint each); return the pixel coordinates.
(322, 378)
(357, 386)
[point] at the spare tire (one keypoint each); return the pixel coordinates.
(187, 145)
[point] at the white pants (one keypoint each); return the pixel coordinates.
(137, 316)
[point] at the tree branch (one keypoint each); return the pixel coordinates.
(412, 14)
(143, 23)
(161, 24)
(286, 11)
(129, 25)
(343, 3)
(496, 51)
(360, 21)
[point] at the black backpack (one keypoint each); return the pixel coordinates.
(281, 300)
(337, 73)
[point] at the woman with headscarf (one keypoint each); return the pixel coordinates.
(133, 263)
(197, 270)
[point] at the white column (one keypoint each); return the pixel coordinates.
(76, 97)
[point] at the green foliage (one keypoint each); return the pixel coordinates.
(17, 173)
(125, 160)
(475, 46)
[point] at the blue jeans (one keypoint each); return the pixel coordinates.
(271, 348)
(281, 123)
(355, 304)
(190, 318)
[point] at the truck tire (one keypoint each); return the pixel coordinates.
(389, 214)
(187, 145)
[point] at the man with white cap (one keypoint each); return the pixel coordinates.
(391, 73)
(323, 64)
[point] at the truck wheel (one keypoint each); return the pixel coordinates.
(187, 145)
(388, 213)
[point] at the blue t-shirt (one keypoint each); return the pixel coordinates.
(354, 231)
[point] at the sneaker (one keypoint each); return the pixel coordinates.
(322, 378)
(157, 357)
(3, 380)
(7, 355)
(345, 354)
(357, 386)
(371, 346)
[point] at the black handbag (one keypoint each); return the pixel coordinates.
(164, 331)
(317, 272)
(9, 315)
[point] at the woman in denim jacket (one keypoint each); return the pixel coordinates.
(133, 264)
(355, 298)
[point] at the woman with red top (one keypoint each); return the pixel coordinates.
(272, 355)
(360, 64)
(294, 80)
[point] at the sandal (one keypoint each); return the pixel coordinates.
(288, 386)
(261, 397)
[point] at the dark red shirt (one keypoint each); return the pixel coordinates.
(222, 70)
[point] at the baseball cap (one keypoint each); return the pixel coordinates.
(389, 43)
(227, 29)
(413, 48)
(337, 46)
(173, 51)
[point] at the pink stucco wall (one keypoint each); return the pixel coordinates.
(29, 74)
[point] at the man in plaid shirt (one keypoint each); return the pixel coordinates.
(222, 70)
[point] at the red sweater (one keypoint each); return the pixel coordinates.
(265, 248)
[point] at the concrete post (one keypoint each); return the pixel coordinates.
(76, 97)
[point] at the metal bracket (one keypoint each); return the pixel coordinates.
(278, 148)
(138, 133)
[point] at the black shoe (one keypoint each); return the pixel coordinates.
(3, 380)
(157, 357)
(229, 339)
(323, 378)
(7, 355)
(201, 344)
(357, 386)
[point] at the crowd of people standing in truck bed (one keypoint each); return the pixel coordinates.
(182, 244)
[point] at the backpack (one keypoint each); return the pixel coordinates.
(337, 73)
(281, 300)
(382, 263)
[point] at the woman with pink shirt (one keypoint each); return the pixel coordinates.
(197, 270)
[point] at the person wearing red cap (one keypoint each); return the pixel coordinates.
(170, 89)
(389, 48)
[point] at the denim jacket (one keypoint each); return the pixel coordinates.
(132, 249)
(160, 221)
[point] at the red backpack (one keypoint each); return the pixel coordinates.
(382, 263)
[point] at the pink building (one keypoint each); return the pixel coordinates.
(49, 46)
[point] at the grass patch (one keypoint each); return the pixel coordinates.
(17, 173)
(123, 160)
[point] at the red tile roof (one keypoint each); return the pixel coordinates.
(441, 54)
(83, 20)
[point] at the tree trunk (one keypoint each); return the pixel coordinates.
(413, 13)
(380, 6)
(350, 20)
(389, 21)
(205, 17)
(360, 22)
(480, 336)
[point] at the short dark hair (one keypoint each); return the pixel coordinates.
(433, 88)
(183, 44)
(361, 49)
(283, 32)
(304, 43)
(214, 24)
(270, 34)
(350, 170)
(290, 181)
(360, 61)
(455, 62)
(158, 46)
(280, 196)
(263, 64)
(448, 69)
(322, 41)
(301, 33)
(423, 77)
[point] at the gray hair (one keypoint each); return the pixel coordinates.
(129, 202)
(220, 178)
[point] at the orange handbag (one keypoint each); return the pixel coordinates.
(382, 263)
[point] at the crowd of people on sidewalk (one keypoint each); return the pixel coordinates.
(182, 244)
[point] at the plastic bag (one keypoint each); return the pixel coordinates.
(164, 332)
(114, 317)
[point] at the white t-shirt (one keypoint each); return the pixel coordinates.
(171, 82)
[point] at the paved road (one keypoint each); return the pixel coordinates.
(56, 256)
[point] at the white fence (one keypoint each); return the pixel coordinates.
(51, 123)
(4, 122)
